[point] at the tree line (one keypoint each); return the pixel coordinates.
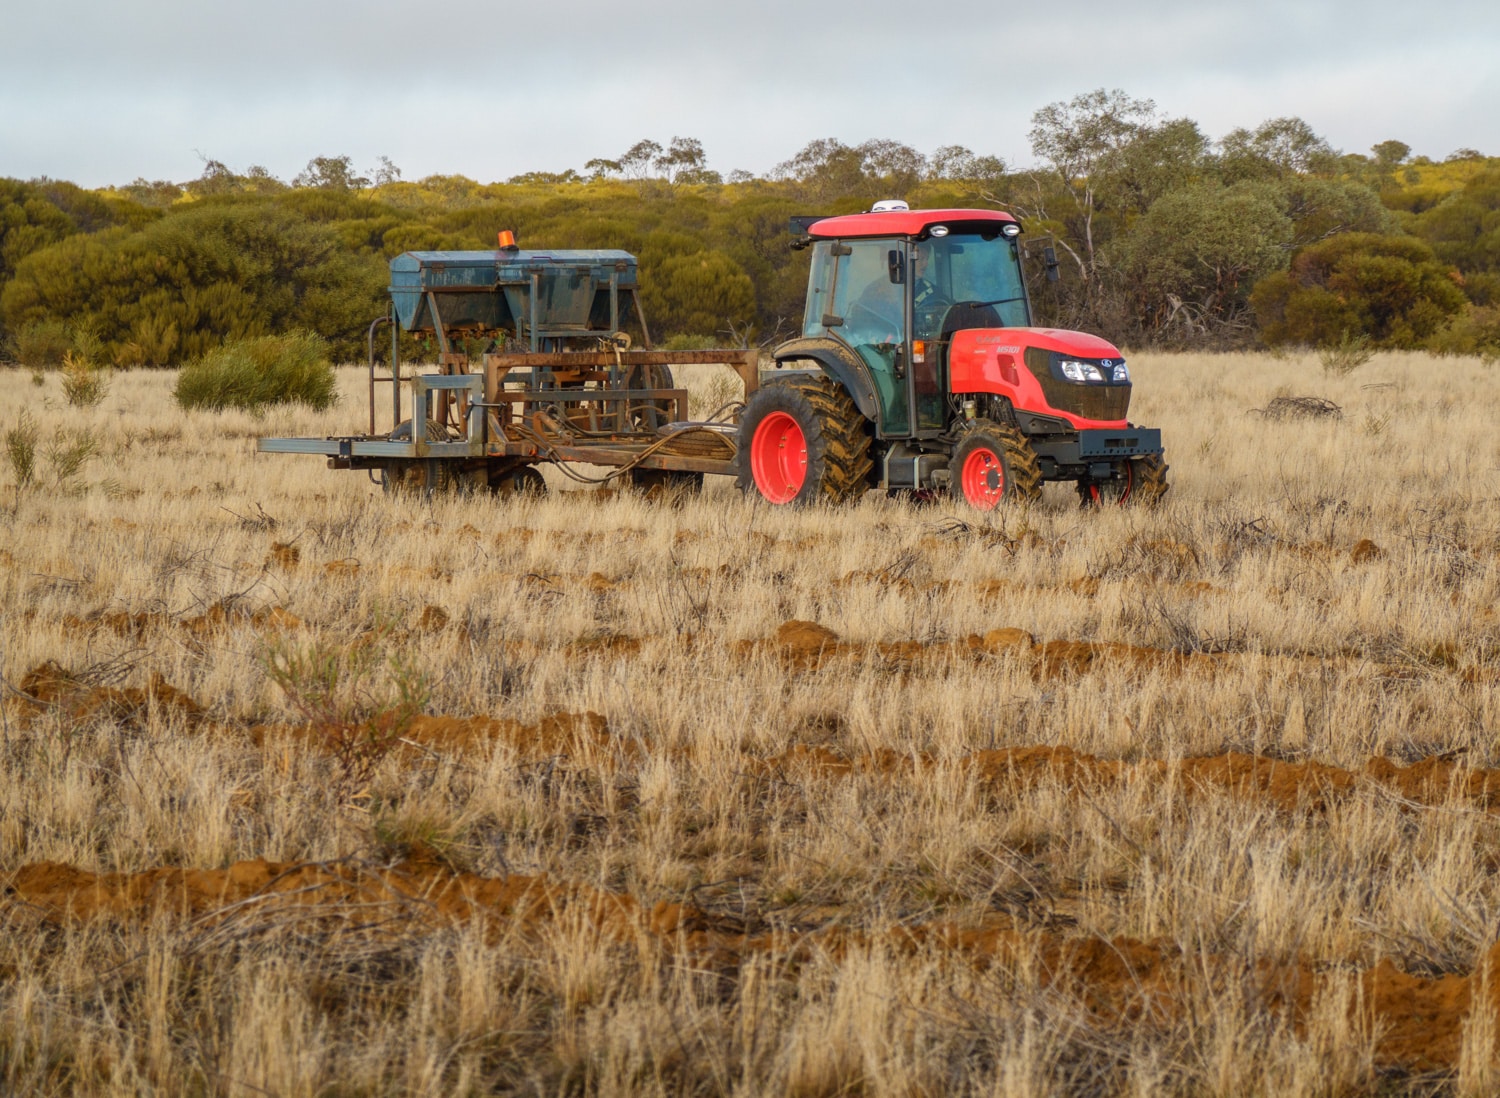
(1166, 238)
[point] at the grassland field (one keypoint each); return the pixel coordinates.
(307, 790)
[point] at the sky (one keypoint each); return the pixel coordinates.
(102, 92)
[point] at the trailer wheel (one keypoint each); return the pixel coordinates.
(665, 481)
(423, 476)
(419, 476)
(523, 481)
(647, 415)
(1143, 481)
(802, 440)
(994, 463)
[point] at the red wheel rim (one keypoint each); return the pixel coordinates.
(778, 458)
(983, 479)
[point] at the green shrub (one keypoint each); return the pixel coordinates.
(257, 373)
(690, 341)
(704, 292)
(41, 345)
(213, 271)
(1345, 356)
(20, 450)
(1391, 289)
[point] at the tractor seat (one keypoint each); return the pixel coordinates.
(960, 317)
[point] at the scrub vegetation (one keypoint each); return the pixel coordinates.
(257, 373)
(1164, 238)
(305, 789)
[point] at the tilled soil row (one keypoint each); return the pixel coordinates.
(1285, 784)
(809, 646)
(1418, 1021)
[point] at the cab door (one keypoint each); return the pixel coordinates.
(868, 312)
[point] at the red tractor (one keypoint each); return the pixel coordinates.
(918, 370)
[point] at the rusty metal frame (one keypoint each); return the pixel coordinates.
(484, 404)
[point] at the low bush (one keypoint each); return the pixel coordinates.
(257, 373)
(1347, 354)
(83, 383)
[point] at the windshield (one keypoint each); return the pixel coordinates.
(972, 267)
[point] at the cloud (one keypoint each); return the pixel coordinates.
(103, 92)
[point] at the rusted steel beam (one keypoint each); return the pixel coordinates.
(580, 359)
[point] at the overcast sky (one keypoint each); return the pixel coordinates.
(104, 91)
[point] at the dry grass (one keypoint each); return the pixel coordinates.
(1314, 590)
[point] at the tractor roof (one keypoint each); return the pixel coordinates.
(897, 222)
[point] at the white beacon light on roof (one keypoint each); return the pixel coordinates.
(889, 205)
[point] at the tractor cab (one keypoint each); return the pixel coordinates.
(893, 286)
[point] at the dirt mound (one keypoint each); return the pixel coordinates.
(419, 892)
(809, 646)
(283, 555)
(217, 618)
(806, 645)
(1420, 1021)
(1285, 785)
(50, 687)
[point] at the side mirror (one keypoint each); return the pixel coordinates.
(895, 266)
(1049, 256)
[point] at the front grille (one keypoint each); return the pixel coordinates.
(1092, 400)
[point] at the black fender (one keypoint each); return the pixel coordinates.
(840, 363)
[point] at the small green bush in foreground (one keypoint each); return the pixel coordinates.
(257, 373)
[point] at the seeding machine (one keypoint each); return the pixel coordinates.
(917, 370)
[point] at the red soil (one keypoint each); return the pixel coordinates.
(217, 618)
(1286, 785)
(1420, 1021)
(51, 687)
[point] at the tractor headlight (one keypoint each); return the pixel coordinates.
(1080, 371)
(1121, 373)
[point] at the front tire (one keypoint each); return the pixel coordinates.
(993, 464)
(802, 440)
(1143, 481)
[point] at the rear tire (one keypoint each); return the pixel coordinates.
(1144, 482)
(993, 464)
(802, 440)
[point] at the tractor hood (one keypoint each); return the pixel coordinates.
(1061, 340)
(1072, 376)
